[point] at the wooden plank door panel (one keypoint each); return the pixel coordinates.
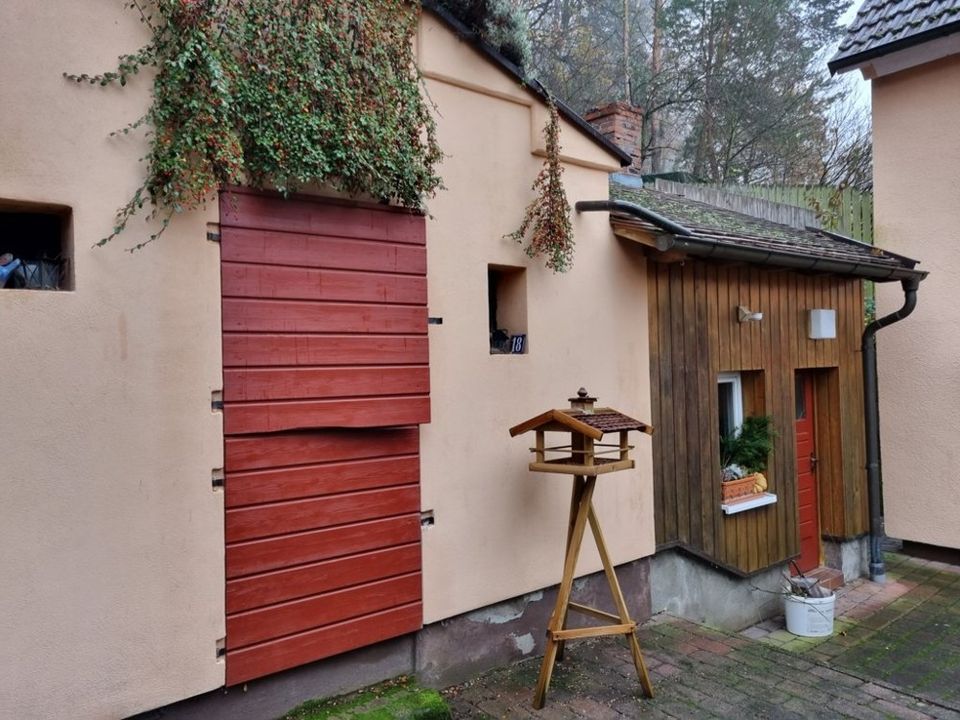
(326, 376)
(808, 505)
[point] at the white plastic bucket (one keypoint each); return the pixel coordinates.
(809, 617)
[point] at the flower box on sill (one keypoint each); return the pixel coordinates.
(733, 489)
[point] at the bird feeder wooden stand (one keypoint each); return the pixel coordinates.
(585, 457)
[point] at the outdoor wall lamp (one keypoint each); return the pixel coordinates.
(744, 314)
(822, 325)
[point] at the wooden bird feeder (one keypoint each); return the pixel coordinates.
(586, 424)
(585, 457)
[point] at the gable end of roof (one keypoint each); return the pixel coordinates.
(534, 86)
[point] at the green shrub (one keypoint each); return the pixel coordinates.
(749, 447)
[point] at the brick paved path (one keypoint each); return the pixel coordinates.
(762, 673)
(906, 632)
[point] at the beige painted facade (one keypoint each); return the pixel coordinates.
(916, 191)
(499, 529)
(111, 536)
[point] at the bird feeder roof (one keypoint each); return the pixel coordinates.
(592, 425)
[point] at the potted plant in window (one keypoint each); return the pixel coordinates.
(743, 458)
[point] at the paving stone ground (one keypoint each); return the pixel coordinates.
(895, 655)
(906, 632)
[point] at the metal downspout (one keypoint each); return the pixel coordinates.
(878, 572)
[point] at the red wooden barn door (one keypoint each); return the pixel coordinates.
(808, 504)
(325, 378)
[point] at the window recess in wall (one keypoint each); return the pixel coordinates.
(35, 246)
(507, 309)
(744, 432)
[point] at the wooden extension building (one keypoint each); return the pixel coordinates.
(749, 317)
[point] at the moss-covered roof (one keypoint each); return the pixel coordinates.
(733, 229)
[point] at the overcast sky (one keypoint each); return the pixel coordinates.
(858, 87)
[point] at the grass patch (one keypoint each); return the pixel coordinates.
(400, 699)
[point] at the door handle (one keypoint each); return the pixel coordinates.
(814, 461)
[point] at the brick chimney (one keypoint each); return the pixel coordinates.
(622, 124)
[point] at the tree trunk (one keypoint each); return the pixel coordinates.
(656, 138)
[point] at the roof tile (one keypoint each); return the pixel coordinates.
(880, 23)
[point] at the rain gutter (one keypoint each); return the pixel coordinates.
(683, 239)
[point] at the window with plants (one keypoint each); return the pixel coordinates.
(743, 456)
(278, 95)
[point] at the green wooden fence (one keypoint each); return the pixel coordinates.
(848, 211)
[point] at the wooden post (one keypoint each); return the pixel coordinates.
(582, 513)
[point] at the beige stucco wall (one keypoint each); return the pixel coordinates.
(111, 536)
(917, 201)
(499, 529)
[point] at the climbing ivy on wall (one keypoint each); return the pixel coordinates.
(547, 218)
(279, 94)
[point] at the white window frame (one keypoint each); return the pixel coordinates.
(736, 411)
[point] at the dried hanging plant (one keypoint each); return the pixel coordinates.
(547, 218)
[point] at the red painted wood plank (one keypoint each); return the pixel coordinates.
(314, 217)
(241, 350)
(280, 248)
(255, 626)
(301, 316)
(316, 446)
(294, 516)
(291, 283)
(298, 414)
(282, 585)
(277, 484)
(294, 383)
(259, 556)
(270, 657)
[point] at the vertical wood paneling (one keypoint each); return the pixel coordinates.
(713, 351)
(679, 410)
(704, 383)
(656, 357)
(668, 477)
(693, 315)
(692, 360)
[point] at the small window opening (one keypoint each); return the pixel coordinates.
(507, 309)
(35, 247)
(730, 397)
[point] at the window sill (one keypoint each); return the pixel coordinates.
(737, 506)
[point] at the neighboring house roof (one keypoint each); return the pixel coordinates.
(709, 231)
(534, 86)
(886, 26)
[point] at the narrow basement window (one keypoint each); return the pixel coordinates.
(507, 309)
(35, 246)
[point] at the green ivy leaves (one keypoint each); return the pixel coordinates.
(280, 94)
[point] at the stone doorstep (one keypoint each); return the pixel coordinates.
(830, 578)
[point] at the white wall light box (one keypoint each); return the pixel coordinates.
(823, 324)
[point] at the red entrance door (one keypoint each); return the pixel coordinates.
(807, 502)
